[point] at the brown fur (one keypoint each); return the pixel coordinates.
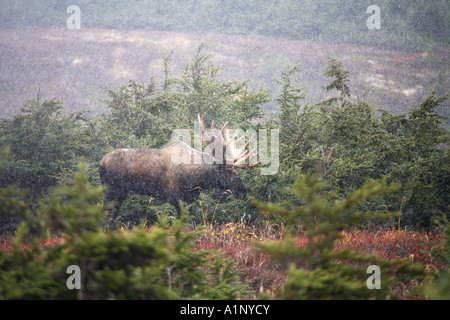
(152, 172)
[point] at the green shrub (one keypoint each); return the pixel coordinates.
(317, 270)
(156, 263)
(344, 141)
(439, 289)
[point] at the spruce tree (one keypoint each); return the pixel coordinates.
(317, 270)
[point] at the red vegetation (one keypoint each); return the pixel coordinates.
(6, 243)
(394, 243)
(235, 241)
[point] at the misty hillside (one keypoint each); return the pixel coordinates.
(398, 64)
(78, 65)
(405, 24)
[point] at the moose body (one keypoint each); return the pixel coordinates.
(158, 173)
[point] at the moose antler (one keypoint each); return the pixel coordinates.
(240, 157)
(211, 137)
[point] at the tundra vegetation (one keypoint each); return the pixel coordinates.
(354, 185)
(408, 25)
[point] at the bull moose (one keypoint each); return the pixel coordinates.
(153, 172)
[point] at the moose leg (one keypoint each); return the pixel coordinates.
(188, 207)
(116, 209)
(117, 200)
(177, 205)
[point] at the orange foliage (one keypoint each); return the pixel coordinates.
(235, 241)
(7, 245)
(394, 243)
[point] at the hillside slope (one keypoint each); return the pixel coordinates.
(78, 64)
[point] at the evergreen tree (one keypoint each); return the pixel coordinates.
(318, 270)
(440, 288)
(156, 263)
(45, 143)
(346, 143)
